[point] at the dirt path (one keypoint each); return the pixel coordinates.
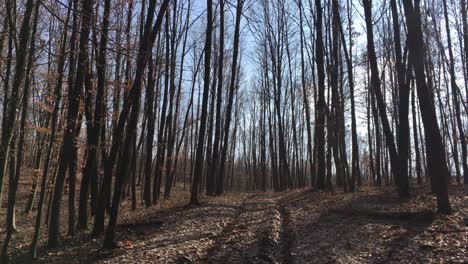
(261, 233)
(371, 226)
(253, 236)
(287, 238)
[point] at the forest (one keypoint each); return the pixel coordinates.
(233, 131)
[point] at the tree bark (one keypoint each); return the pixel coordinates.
(438, 165)
(232, 88)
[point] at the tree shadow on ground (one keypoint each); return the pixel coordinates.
(83, 248)
(354, 228)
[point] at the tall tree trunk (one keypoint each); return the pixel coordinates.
(403, 92)
(232, 88)
(304, 89)
(163, 129)
(355, 171)
(53, 126)
(4, 150)
(370, 142)
(375, 86)
(320, 106)
(333, 116)
(438, 164)
(171, 136)
(67, 155)
(146, 44)
(16, 172)
(464, 10)
(213, 171)
(199, 157)
(132, 102)
(415, 136)
(150, 132)
(90, 172)
(10, 108)
(455, 92)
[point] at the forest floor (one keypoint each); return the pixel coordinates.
(301, 226)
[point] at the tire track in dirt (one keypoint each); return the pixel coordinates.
(287, 238)
(252, 236)
(218, 239)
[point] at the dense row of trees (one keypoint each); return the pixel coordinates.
(123, 99)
